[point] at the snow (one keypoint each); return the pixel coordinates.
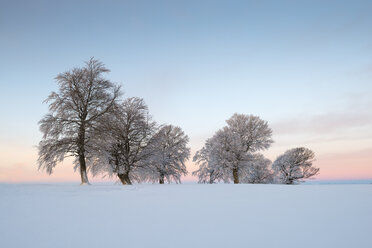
(187, 215)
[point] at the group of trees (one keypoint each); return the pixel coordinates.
(232, 155)
(89, 121)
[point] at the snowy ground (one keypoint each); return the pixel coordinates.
(187, 215)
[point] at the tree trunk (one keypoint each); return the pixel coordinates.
(289, 181)
(81, 145)
(235, 175)
(211, 177)
(124, 178)
(83, 170)
(288, 178)
(161, 179)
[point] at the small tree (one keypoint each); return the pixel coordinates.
(257, 170)
(169, 152)
(125, 135)
(84, 98)
(209, 171)
(216, 158)
(295, 165)
(205, 173)
(228, 151)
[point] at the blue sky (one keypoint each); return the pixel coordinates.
(305, 66)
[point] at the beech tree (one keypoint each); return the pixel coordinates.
(214, 159)
(124, 137)
(258, 170)
(206, 172)
(168, 153)
(83, 99)
(227, 154)
(295, 165)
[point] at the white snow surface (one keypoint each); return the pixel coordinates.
(186, 215)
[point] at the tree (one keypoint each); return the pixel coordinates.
(257, 170)
(228, 152)
(208, 171)
(169, 152)
(215, 159)
(83, 99)
(205, 173)
(295, 165)
(125, 135)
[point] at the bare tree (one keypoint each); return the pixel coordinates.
(169, 152)
(295, 165)
(84, 97)
(227, 152)
(125, 135)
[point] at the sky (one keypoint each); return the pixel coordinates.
(303, 66)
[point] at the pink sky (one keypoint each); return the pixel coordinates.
(353, 165)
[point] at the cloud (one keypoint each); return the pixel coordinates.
(355, 114)
(323, 123)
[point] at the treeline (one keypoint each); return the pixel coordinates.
(107, 135)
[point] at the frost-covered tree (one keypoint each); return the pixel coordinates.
(215, 159)
(295, 165)
(228, 152)
(258, 170)
(205, 173)
(83, 99)
(168, 153)
(208, 171)
(125, 136)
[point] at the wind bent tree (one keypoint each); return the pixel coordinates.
(83, 99)
(295, 165)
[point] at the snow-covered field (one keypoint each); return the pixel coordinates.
(187, 215)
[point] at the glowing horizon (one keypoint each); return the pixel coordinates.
(344, 167)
